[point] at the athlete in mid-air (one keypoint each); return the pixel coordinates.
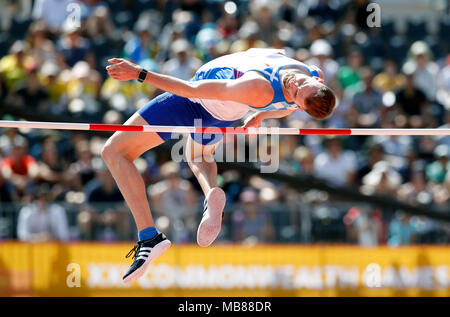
(220, 94)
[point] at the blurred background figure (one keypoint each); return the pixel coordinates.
(175, 199)
(334, 165)
(425, 70)
(182, 65)
(252, 224)
(106, 207)
(52, 12)
(19, 168)
(40, 220)
(368, 102)
(401, 230)
(322, 52)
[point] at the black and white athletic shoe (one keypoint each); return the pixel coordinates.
(210, 225)
(144, 252)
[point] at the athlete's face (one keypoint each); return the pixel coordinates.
(299, 87)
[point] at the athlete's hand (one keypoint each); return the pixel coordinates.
(254, 121)
(122, 69)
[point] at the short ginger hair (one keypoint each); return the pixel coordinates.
(321, 103)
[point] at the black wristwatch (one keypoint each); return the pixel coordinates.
(142, 75)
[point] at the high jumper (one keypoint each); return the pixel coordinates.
(221, 93)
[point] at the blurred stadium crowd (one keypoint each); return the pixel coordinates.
(54, 185)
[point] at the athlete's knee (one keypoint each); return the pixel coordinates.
(110, 152)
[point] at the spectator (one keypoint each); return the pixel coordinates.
(227, 25)
(411, 101)
(262, 11)
(40, 48)
(82, 170)
(335, 166)
(247, 38)
(375, 155)
(343, 116)
(369, 102)
(288, 164)
(437, 170)
(321, 52)
(305, 159)
(83, 89)
(389, 79)
(100, 26)
(102, 188)
(360, 13)
(7, 140)
(31, 95)
(41, 221)
(143, 46)
(51, 167)
(175, 198)
(53, 12)
(55, 87)
(13, 66)
(382, 180)
(106, 211)
(411, 164)
(425, 71)
(368, 230)
(286, 11)
(401, 230)
(417, 190)
(182, 65)
(395, 145)
(250, 223)
(348, 75)
(73, 48)
(19, 168)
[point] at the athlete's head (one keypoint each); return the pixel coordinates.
(310, 94)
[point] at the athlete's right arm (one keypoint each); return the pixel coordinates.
(250, 89)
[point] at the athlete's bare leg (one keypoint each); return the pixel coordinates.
(201, 161)
(119, 153)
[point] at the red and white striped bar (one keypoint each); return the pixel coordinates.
(225, 130)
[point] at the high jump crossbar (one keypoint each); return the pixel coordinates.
(211, 130)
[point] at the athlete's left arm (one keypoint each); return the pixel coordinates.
(251, 89)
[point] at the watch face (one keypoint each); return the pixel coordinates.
(142, 75)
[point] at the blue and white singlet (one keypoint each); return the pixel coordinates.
(266, 61)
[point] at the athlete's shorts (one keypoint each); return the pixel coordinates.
(172, 110)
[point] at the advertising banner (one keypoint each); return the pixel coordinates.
(96, 269)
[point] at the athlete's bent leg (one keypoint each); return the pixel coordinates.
(119, 154)
(201, 161)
